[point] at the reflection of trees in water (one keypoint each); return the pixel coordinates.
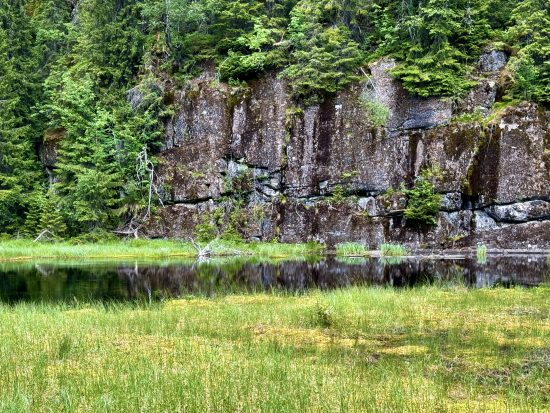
(50, 282)
(112, 281)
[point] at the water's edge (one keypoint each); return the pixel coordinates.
(85, 280)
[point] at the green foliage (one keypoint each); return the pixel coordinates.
(393, 250)
(19, 87)
(338, 194)
(69, 66)
(351, 249)
(423, 202)
(206, 231)
(439, 41)
(324, 58)
(323, 315)
(51, 217)
(530, 33)
(376, 113)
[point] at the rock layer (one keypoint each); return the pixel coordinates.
(323, 173)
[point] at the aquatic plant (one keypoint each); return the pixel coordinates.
(351, 249)
(393, 250)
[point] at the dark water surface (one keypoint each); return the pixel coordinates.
(115, 280)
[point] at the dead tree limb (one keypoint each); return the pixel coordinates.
(43, 234)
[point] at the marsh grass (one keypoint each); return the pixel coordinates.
(358, 350)
(154, 249)
(393, 250)
(351, 249)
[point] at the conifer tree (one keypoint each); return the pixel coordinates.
(18, 89)
(531, 65)
(51, 218)
(324, 58)
(36, 207)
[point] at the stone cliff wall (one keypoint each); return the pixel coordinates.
(322, 173)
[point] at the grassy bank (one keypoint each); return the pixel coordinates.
(360, 350)
(24, 249)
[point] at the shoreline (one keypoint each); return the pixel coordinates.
(25, 250)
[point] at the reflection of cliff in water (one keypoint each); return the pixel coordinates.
(122, 281)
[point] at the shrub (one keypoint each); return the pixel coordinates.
(323, 315)
(377, 113)
(338, 194)
(96, 236)
(423, 202)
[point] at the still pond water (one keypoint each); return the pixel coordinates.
(115, 280)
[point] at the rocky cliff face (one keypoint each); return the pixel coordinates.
(250, 158)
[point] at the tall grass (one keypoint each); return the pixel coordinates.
(351, 249)
(393, 250)
(25, 249)
(358, 350)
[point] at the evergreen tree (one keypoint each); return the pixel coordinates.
(441, 39)
(66, 66)
(51, 217)
(36, 207)
(324, 59)
(18, 90)
(531, 66)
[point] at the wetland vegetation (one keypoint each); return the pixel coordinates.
(140, 248)
(357, 350)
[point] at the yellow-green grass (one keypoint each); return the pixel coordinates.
(24, 249)
(358, 350)
(351, 249)
(393, 250)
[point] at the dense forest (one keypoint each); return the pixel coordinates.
(66, 68)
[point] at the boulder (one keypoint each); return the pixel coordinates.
(492, 61)
(194, 165)
(49, 146)
(177, 221)
(330, 223)
(324, 173)
(482, 97)
(521, 211)
(526, 236)
(451, 202)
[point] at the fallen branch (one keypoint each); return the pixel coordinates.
(43, 234)
(203, 253)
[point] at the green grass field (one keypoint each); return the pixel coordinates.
(359, 350)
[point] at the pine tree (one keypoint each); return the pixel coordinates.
(19, 171)
(324, 59)
(441, 40)
(36, 207)
(51, 218)
(531, 66)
